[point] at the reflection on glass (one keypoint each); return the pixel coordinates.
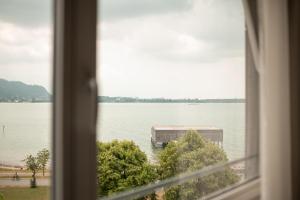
(25, 95)
(172, 95)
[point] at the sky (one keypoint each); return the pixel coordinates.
(146, 48)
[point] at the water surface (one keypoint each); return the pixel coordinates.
(28, 125)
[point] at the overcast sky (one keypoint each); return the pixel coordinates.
(146, 48)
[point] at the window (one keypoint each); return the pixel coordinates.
(177, 102)
(273, 84)
(270, 91)
(167, 74)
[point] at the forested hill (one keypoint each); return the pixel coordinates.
(108, 99)
(16, 91)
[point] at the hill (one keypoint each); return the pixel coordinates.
(16, 91)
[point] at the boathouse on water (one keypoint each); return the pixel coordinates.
(161, 135)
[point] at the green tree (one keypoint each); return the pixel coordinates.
(1, 196)
(193, 152)
(33, 165)
(43, 158)
(122, 165)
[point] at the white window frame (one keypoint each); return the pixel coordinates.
(275, 137)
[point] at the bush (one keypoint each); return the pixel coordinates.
(193, 152)
(122, 165)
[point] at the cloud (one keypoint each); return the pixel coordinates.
(26, 12)
(25, 54)
(195, 53)
(39, 12)
(131, 74)
(146, 47)
(208, 32)
(21, 44)
(121, 9)
(219, 22)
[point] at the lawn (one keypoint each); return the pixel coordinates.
(11, 193)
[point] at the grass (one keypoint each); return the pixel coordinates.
(20, 193)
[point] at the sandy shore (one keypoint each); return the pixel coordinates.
(23, 182)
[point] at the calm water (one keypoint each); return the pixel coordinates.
(28, 126)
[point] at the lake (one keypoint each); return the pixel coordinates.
(28, 125)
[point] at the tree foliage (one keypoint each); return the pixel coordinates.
(36, 163)
(43, 158)
(122, 165)
(33, 165)
(193, 152)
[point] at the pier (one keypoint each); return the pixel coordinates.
(161, 135)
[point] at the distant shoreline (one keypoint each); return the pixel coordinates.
(105, 99)
(216, 102)
(19, 92)
(169, 102)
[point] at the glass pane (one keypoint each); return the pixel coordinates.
(172, 94)
(25, 99)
